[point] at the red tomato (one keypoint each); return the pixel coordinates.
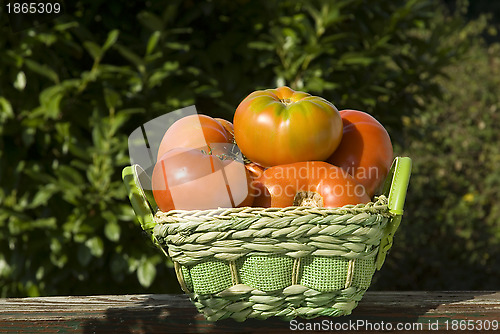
(310, 183)
(365, 151)
(194, 131)
(282, 126)
(187, 179)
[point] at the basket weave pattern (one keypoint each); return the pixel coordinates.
(287, 262)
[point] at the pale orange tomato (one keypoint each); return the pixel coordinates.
(194, 131)
(188, 179)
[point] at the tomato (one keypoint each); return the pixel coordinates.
(255, 171)
(188, 179)
(310, 183)
(282, 126)
(226, 124)
(194, 131)
(365, 150)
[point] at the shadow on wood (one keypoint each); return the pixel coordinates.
(378, 312)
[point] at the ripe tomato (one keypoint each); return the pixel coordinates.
(310, 183)
(365, 151)
(187, 179)
(255, 170)
(227, 125)
(194, 131)
(282, 126)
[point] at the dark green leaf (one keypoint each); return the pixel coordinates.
(131, 56)
(151, 21)
(6, 111)
(44, 70)
(93, 49)
(112, 98)
(111, 40)
(112, 231)
(96, 246)
(83, 254)
(50, 99)
(152, 42)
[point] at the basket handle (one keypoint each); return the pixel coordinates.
(142, 200)
(395, 187)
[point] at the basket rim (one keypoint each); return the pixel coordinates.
(378, 206)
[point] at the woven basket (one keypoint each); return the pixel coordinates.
(290, 262)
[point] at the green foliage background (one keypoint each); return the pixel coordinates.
(73, 89)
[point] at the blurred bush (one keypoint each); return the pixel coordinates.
(74, 88)
(451, 235)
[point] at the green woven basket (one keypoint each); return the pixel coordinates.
(290, 262)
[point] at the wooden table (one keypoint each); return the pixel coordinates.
(378, 312)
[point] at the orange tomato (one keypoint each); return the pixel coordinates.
(194, 131)
(254, 169)
(365, 151)
(310, 183)
(282, 126)
(188, 179)
(227, 125)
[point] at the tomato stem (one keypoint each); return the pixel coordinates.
(308, 198)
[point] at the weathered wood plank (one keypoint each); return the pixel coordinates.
(380, 312)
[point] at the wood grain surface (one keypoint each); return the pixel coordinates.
(378, 312)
